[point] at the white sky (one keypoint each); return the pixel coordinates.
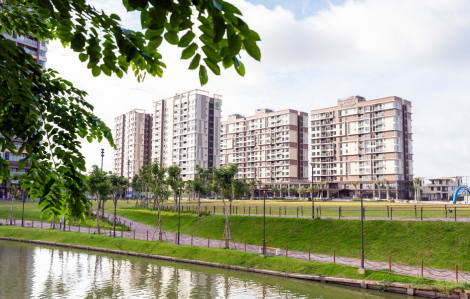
(417, 50)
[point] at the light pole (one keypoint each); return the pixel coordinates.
(128, 179)
(179, 216)
(264, 223)
(362, 270)
(102, 156)
(313, 200)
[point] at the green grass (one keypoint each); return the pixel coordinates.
(440, 244)
(247, 260)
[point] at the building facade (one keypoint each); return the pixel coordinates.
(442, 188)
(38, 50)
(132, 135)
(186, 131)
(365, 142)
(270, 146)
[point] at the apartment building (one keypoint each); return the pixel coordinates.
(132, 135)
(38, 50)
(363, 141)
(186, 131)
(270, 146)
(442, 188)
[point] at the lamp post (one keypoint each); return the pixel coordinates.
(362, 270)
(179, 216)
(102, 156)
(128, 179)
(313, 200)
(264, 223)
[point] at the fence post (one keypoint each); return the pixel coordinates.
(236, 210)
(455, 213)
(279, 211)
(388, 212)
(208, 241)
(269, 210)
(249, 211)
(134, 234)
(339, 212)
(245, 245)
(214, 209)
(391, 213)
(422, 268)
(69, 226)
(456, 274)
(244, 212)
(308, 252)
(41, 224)
(285, 211)
(78, 227)
(122, 232)
(176, 238)
(286, 249)
(191, 240)
(297, 212)
(256, 210)
(302, 210)
(422, 213)
(147, 235)
(389, 264)
(334, 256)
(445, 207)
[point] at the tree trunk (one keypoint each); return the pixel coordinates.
(98, 216)
(11, 211)
(198, 205)
(253, 194)
(227, 227)
(176, 200)
(102, 211)
(388, 194)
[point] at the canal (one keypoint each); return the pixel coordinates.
(31, 271)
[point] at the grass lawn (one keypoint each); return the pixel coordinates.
(248, 260)
(441, 245)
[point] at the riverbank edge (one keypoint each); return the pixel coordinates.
(393, 287)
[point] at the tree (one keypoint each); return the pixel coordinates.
(274, 189)
(378, 187)
(252, 187)
(117, 183)
(174, 172)
(355, 188)
(29, 94)
(302, 191)
(327, 185)
(387, 185)
(198, 186)
(99, 184)
(135, 184)
(320, 189)
(284, 189)
(416, 188)
(224, 177)
(293, 190)
(13, 189)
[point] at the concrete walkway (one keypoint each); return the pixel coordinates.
(146, 232)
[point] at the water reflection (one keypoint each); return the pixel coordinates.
(29, 271)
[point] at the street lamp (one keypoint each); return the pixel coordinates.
(362, 270)
(264, 223)
(102, 156)
(313, 200)
(179, 216)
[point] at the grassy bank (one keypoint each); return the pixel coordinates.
(441, 245)
(247, 260)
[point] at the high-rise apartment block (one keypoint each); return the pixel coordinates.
(363, 141)
(132, 136)
(186, 131)
(269, 146)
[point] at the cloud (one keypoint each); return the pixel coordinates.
(417, 50)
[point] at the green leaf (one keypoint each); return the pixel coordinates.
(234, 45)
(227, 62)
(186, 39)
(175, 20)
(252, 49)
(171, 37)
(115, 16)
(254, 36)
(189, 51)
(83, 57)
(149, 34)
(96, 71)
(230, 8)
(105, 70)
(219, 28)
(77, 43)
(195, 62)
(213, 66)
(211, 54)
(154, 43)
(138, 3)
(203, 75)
(90, 140)
(239, 67)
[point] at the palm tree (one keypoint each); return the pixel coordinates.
(302, 191)
(252, 187)
(310, 190)
(320, 189)
(378, 187)
(283, 190)
(293, 190)
(416, 184)
(174, 172)
(274, 189)
(387, 185)
(327, 185)
(355, 188)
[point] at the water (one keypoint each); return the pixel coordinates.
(30, 271)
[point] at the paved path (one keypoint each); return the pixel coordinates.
(146, 232)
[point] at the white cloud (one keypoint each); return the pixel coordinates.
(417, 50)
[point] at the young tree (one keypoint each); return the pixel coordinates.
(116, 188)
(284, 189)
(224, 177)
(387, 185)
(378, 188)
(135, 184)
(327, 185)
(274, 189)
(199, 189)
(99, 184)
(13, 189)
(416, 188)
(355, 188)
(292, 191)
(252, 187)
(302, 191)
(174, 172)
